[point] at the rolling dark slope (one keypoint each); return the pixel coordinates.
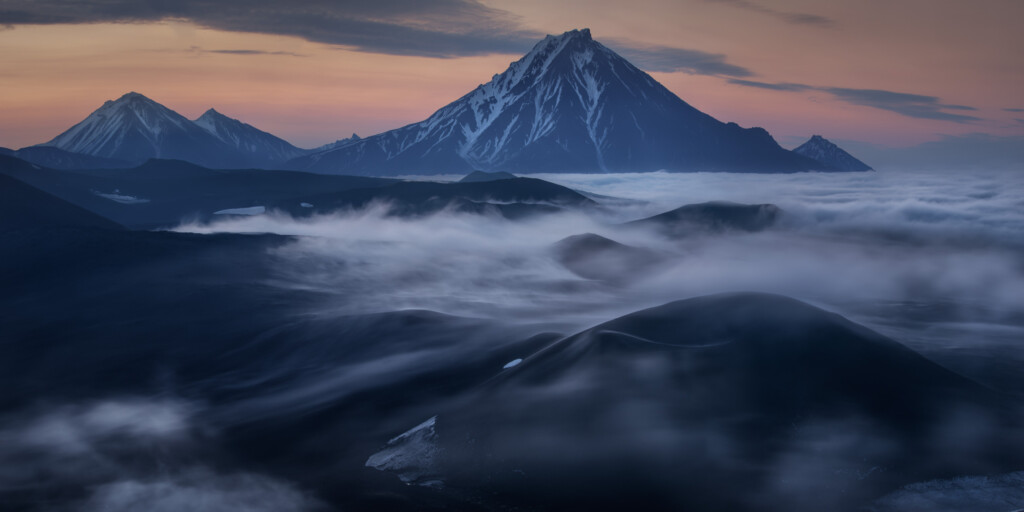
(477, 176)
(569, 105)
(56, 158)
(164, 193)
(510, 198)
(24, 206)
(161, 193)
(128, 317)
(710, 217)
(595, 257)
(679, 406)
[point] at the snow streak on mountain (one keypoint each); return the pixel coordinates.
(573, 105)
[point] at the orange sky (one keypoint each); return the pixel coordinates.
(310, 93)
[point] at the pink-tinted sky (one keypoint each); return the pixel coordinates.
(891, 72)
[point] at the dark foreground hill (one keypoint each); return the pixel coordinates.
(24, 206)
(179, 362)
(716, 402)
(164, 193)
(710, 217)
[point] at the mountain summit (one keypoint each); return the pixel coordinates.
(135, 128)
(569, 105)
(830, 156)
(247, 139)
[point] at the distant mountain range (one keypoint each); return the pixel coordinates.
(569, 105)
(134, 128)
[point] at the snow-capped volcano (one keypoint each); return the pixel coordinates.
(830, 156)
(135, 128)
(247, 139)
(570, 104)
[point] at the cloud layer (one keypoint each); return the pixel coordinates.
(445, 28)
(667, 59)
(911, 105)
(799, 18)
(130, 454)
(844, 238)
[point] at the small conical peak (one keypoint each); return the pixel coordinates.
(830, 155)
(212, 114)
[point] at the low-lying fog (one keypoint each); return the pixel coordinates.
(936, 260)
(860, 238)
(933, 260)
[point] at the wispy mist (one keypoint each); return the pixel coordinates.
(842, 237)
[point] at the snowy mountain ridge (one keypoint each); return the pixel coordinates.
(258, 144)
(107, 127)
(570, 104)
(134, 128)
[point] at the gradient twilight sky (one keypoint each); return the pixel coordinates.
(885, 72)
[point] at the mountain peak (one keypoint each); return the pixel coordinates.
(552, 44)
(569, 104)
(245, 138)
(134, 128)
(130, 100)
(133, 98)
(582, 34)
(212, 117)
(829, 155)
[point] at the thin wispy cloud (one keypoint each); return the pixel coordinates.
(246, 51)
(668, 59)
(910, 105)
(1013, 110)
(443, 28)
(770, 86)
(959, 107)
(254, 52)
(799, 18)
(439, 29)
